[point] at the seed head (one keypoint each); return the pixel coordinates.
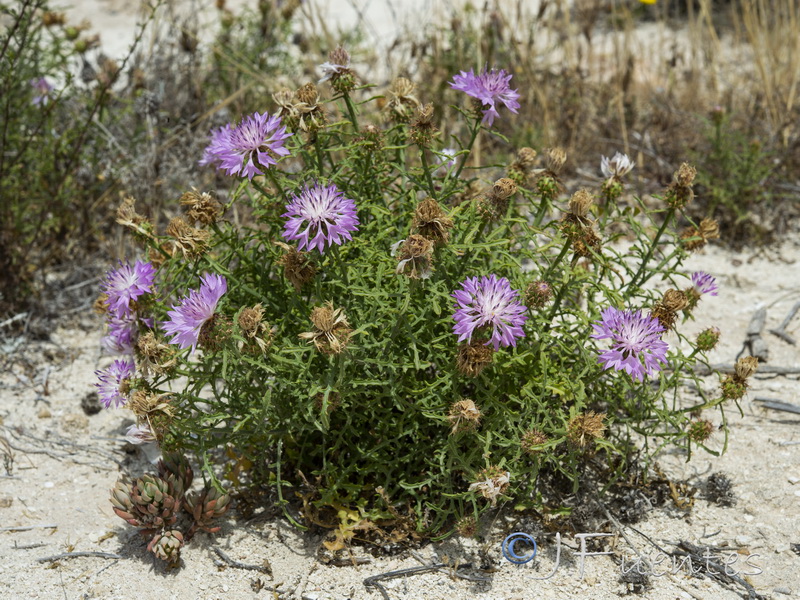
(745, 367)
(532, 441)
(201, 207)
(696, 238)
(253, 328)
(700, 430)
(537, 294)
(555, 160)
(464, 416)
(666, 310)
(154, 355)
(422, 128)
(415, 256)
(128, 217)
(331, 330)
(474, 357)
(467, 527)
(580, 203)
(432, 222)
(297, 266)
(585, 429)
(192, 242)
(491, 483)
(402, 102)
(680, 193)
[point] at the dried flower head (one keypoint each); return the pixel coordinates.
(581, 203)
(431, 221)
(555, 160)
(707, 339)
(584, 429)
(696, 238)
(187, 319)
(124, 285)
(666, 310)
(464, 416)
(533, 441)
(258, 139)
(745, 367)
(191, 241)
(680, 193)
(637, 347)
(538, 293)
(140, 434)
(253, 328)
(128, 217)
(297, 266)
(474, 357)
(113, 384)
(423, 129)
(402, 101)
(521, 168)
(331, 330)
(201, 207)
(490, 88)
(301, 109)
(414, 256)
(491, 483)
(320, 216)
(154, 355)
(580, 232)
(489, 302)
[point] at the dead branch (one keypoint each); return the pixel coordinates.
(56, 557)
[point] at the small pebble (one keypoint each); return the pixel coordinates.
(743, 540)
(44, 413)
(749, 518)
(793, 480)
(49, 484)
(797, 493)
(781, 548)
(6, 501)
(782, 590)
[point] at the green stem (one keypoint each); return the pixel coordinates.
(274, 180)
(652, 248)
(351, 110)
(557, 261)
(475, 131)
(427, 172)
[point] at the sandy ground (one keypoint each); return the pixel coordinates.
(60, 464)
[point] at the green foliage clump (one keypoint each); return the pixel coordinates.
(336, 377)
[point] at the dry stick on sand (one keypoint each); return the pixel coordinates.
(27, 528)
(78, 555)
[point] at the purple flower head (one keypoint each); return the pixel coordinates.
(257, 139)
(489, 87)
(126, 284)
(43, 88)
(187, 318)
(212, 155)
(111, 379)
(121, 336)
(704, 283)
(635, 338)
(489, 301)
(318, 216)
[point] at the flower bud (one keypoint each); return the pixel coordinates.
(707, 339)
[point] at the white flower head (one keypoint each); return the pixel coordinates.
(618, 166)
(492, 488)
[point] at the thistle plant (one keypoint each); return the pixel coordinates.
(397, 336)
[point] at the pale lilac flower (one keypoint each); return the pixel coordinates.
(43, 87)
(489, 87)
(320, 215)
(212, 154)
(186, 319)
(140, 434)
(257, 139)
(111, 380)
(126, 284)
(704, 283)
(121, 336)
(637, 347)
(617, 167)
(489, 302)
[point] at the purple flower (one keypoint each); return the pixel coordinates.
(43, 87)
(704, 283)
(257, 139)
(121, 336)
(318, 216)
(126, 284)
(111, 379)
(187, 318)
(489, 301)
(489, 87)
(635, 338)
(212, 155)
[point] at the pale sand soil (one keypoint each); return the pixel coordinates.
(65, 463)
